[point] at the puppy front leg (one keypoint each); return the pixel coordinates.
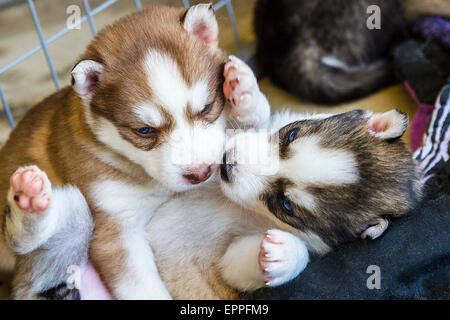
(273, 259)
(125, 261)
(249, 105)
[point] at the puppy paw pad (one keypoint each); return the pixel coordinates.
(31, 189)
(281, 257)
(240, 85)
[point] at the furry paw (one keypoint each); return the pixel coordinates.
(377, 230)
(282, 257)
(240, 87)
(31, 189)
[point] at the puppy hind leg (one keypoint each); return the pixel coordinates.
(56, 268)
(256, 261)
(240, 267)
(29, 220)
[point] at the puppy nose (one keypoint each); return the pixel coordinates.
(198, 174)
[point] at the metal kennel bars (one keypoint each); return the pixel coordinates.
(90, 14)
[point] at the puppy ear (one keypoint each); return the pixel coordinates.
(200, 22)
(388, 125)
(86, 76)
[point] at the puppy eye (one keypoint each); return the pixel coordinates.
(290, 136)
(144, 131)
(286, 205)
(206, 109)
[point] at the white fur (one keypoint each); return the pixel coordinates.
(80, 75)
(339, 64)
(246, 187)
(132, 207)
(149, 114)
(202, 14)
(199, 96)
(169, 87)
(252, 107)
(185, 146)
(239, 265)
(312, 164)
(302, 196)
(117, 161)
(286, 257)
(167, 163)
(141, 281)
(396, 124)
(377, 230)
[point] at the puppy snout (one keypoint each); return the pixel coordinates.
(198, 174)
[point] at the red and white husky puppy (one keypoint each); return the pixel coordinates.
(144, 118)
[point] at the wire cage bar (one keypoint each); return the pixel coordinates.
(44, 47)
(138, 5)
(89, 17)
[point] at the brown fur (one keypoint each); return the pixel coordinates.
(417, 8)
(54, 134)
(388, 184)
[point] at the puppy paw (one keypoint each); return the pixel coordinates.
(240, 87)
(377, 230)
(282, 257)
(31, 189)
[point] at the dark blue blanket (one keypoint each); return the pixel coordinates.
(413, 259)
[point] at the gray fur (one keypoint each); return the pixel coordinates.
(47, 266)
(298, 38)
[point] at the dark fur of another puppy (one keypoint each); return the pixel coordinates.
(323, 50)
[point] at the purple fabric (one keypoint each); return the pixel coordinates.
(420, 121)
(434, 27)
